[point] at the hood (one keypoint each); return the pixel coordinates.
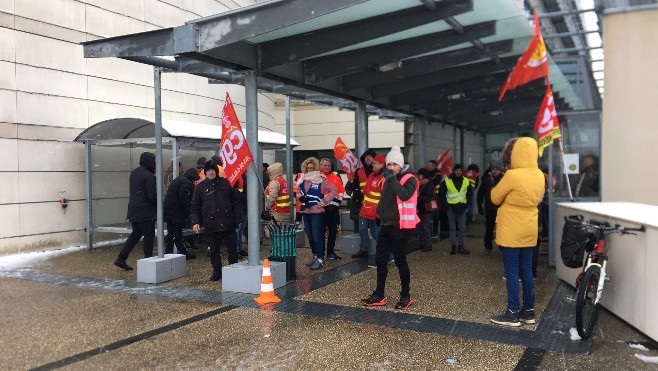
(315, 161)
(524, 154)
(275, 170)
(366, 153)
(313, 177)
(147, 159)
(191, 174)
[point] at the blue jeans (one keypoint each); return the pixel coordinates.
(240, 231)
(314, 227)
(364, 225)
(518, 263)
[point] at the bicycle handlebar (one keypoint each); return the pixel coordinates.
(603, 226)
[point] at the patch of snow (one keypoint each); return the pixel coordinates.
(557, 332)
(638, 346)
(574, 334)
(21, 260)
(647, 359)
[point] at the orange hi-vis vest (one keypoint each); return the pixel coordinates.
(335, 179)
(282, 203)
(372, 195)
(363, 179)
(472, 176)
(295, 188)
(408, 209)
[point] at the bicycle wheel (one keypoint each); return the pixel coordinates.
(587, 311)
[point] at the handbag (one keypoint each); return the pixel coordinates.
(432, 205)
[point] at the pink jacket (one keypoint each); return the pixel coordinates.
(315, 177)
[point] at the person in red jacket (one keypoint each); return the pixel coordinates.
(368, 213)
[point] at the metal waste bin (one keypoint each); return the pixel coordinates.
(282, 245)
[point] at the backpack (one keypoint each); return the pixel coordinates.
(576, 240)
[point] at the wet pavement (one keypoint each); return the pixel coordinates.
(78, 311)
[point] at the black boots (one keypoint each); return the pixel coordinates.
(462, 250)
(453, 250)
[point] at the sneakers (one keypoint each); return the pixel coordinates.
(527, 316)
(317, 264)
(462, 250)
(508, 318)
(360, 255)
(333, 256)
(123, 265)
(404, 303)
(374, 300)
(312, 261)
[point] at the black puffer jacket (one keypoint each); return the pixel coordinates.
(216, 205)
(484, 193)
(179, 198)
(387, 209)
(142, 204)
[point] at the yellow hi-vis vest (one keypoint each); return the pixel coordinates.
(453, 195)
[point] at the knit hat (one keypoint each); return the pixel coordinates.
(496, 165)
(381, 159)
(395, 156)
(210, 165)
(457, 167)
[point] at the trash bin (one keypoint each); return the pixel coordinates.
(282, 246)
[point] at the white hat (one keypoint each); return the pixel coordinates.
(395, 156)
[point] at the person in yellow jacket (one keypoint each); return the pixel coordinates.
(518, 193)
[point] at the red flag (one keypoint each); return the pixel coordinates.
(532, 64)
(443, 156)
(235, 153)
(348, 163)
(446, 168)
(547, 125)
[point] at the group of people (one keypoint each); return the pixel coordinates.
(388, 203)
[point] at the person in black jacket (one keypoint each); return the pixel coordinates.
(485, 206)
(177, 209)
(142, 206)
(425, 194)
(216, 206)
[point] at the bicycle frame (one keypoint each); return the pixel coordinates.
(599, 258)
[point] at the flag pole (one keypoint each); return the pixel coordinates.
(564, 163)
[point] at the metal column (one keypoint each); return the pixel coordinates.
(462, 152)
(89, 194)
(420, 132)
(159, 225)
(361, 128)
(253, 180)
(176, 158)
(289, 161)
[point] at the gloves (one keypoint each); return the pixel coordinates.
(303, 199)
(480, 210)
(388, 174)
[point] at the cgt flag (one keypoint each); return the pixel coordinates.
(532, 64)
(547, 125)
(443, 156)
(235, 153)
(348, 163)
(446, 168)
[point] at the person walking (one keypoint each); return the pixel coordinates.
(454, 194)
(397, 213)
(314, 193)
(142, 207)
(216, 207)
(518, 193)
(486, 207)
(176, 209)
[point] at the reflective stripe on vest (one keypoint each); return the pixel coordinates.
(282, 203)
(371, 196)
(453, 195)
(335, 179)
(313, 194)
(363, 179)
(407, 209)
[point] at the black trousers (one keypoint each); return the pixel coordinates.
(331, 222)
(215, 240)
(174, 236)
(392, 239)
(146, 229)
(489, 225)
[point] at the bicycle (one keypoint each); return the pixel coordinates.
(591, 280)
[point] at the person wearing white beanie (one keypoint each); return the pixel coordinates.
(395, 156)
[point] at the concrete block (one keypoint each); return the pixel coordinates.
(349, 243)
(373, 247)
(245, 278)
(156, 270)
(346, 224)
(300, 238)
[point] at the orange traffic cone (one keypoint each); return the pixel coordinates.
(266, 287)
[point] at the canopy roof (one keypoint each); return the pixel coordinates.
(131, 128)
(440, 60)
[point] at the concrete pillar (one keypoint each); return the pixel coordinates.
(361, 128)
